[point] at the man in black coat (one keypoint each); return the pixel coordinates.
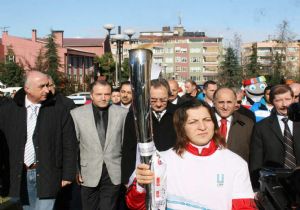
(164, 135)
(269, 146)
(42, 144)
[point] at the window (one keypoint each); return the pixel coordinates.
(195, 69)
(195, 60)
(168, 50)
(183, 50)
(195, 50)
(177, 49)
(178, 59)
(169, 60)
(183, 59)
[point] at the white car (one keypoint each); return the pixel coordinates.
(80, 98)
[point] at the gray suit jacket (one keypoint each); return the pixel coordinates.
(92, 155)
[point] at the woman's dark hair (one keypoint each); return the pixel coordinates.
(180, 118)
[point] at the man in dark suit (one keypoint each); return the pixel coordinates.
(234, 127)
(174, 98)
(163, 130)
(274, 136)
(42, 144)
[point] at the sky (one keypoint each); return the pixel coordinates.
(251, 20)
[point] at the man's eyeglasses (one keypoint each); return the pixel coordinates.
(162, 100)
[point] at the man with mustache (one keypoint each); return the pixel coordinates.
(274, 141)
(126, 94)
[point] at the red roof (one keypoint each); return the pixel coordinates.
(83, 42)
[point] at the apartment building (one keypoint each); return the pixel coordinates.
(184, 55)
(266, 51)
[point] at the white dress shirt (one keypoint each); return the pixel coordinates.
(281, 124)
(229, 120)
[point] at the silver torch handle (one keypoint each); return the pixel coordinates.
(140, 77)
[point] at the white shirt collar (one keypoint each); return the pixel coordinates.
(175, 101)
(28, 103)
(229, 119)
(125, 106)
(162, 113)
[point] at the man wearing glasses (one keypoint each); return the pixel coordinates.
(162, 121)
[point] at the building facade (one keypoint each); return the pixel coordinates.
(266, 52)
(76, 55)
(184, 55)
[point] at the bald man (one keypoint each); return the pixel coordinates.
(41, 141)
(296, 90)
(234, 127)
(174, 98)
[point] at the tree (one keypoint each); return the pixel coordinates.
(276, 77)
(107, 66)
(12, 73)
(231, 72)
(39, 64)
(284, 38)
(252, 68)
(125, 70)
(52, 62)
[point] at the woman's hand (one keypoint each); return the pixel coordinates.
(143, 174)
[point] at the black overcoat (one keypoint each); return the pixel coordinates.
(54, 141)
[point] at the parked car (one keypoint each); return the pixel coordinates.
(81, 98)
(9, 90)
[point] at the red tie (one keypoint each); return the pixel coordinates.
(223, 127)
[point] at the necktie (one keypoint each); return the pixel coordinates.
(158, 116)
(101, 129)
(223, 128)
(29, 155)
(289, 160)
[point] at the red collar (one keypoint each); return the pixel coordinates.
(204, 152)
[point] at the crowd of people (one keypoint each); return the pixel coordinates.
(55, 155)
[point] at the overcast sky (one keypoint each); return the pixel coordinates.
(252, 20)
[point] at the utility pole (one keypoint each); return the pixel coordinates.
(4, 28)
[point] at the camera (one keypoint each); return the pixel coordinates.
(279, 189)
(294, 112)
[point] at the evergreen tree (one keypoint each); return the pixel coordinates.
(107, 66)
(252, 68)
(39, 64)
(231, 71)
(52, 62)
(12, 73)
(125, 70)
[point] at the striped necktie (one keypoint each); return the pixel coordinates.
(158, 116)
(289, 160)
(29, 155)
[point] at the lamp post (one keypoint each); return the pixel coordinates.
(129, 33)
(109, 27)
(119, 39)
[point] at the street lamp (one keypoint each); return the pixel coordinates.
(129, 33)
(109, 27)
(119, 39)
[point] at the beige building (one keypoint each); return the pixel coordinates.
(181, 55)
(266, 51)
